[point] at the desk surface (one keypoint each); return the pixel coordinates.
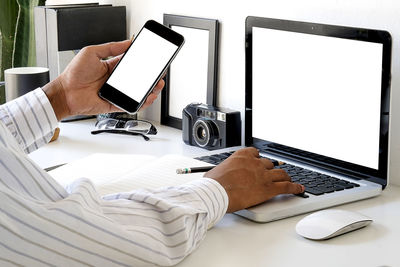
(235, 241)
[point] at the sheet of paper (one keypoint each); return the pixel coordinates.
(114, 173)
(100, 168)
(158, 173)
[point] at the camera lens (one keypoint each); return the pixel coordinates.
(205, 133)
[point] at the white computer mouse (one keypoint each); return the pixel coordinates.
(326, 224)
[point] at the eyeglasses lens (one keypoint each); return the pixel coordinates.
(138, 126)
(131, 126)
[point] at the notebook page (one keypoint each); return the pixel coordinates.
(100, 168)
(157, 173)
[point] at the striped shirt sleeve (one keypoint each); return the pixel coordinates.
(30, 119)
(44, 224)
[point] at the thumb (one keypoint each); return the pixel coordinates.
(110, 49)
(112, 62)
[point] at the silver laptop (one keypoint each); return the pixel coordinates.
(317, 98)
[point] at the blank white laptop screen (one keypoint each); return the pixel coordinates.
(319, 94)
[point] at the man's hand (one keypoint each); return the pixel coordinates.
(249, 180)
(75, 91)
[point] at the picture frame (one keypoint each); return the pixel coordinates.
(192, 77)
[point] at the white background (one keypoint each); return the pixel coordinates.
(324, 94)
(378, 14)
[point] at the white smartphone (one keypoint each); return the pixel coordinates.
(142, 66)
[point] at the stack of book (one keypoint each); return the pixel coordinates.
(61, 31)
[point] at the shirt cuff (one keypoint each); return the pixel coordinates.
(31, 119)
(214, 197)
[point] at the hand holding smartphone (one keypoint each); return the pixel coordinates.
(142, 66)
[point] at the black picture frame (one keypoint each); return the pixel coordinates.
(212, 26)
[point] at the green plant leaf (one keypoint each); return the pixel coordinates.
(8, 14)
(8, 18)
(2, 88)
(24, 50)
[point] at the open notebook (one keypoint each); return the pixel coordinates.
(113, 173)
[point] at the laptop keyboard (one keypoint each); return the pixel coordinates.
(315, 183)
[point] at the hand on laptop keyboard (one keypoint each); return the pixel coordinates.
(250, 180)
(315, 183)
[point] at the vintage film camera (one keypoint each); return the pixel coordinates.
(210, 127)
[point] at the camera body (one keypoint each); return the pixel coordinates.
(210, 127)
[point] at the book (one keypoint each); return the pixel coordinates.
(114, 173)
(63, 30)
(39, 15)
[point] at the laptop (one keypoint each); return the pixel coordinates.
(317, 98)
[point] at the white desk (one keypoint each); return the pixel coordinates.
(76, 142)
(235, 241)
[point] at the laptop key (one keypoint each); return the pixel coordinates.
(325, 189)
(342, 183)
(313, 191)
(220, 156)
(354, 184)
(313, 184)
(338, 188)
(303, 195)
(213, 158)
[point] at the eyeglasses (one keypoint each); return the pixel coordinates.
(130, 127)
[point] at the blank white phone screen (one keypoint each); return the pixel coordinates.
(319, 94)
(142, 64)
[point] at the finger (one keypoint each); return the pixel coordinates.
(267, 163)
(277, 175)
(288, 188)
(158, 88)
(109, 49)
(112, 62)
(113, 108)
(153, 96)
(150, 99)
(249, 151)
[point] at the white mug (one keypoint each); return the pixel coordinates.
(19, 81)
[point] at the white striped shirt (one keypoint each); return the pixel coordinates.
(44, 224)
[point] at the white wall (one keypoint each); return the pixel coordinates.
(378, 14)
